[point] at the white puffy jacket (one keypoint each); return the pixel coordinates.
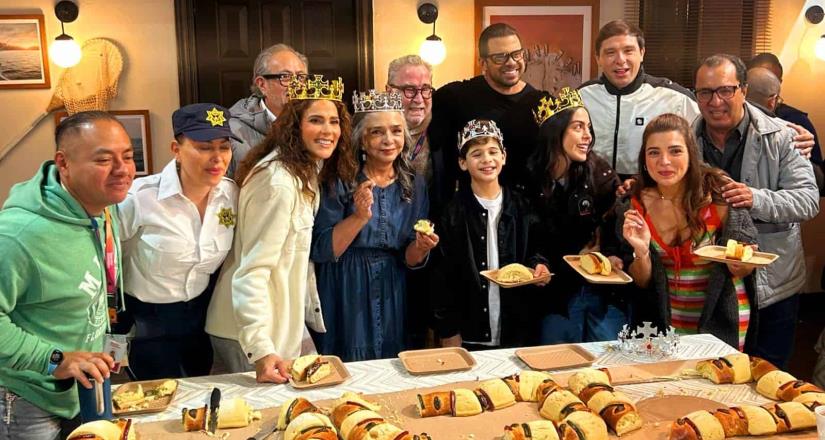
(619, 117)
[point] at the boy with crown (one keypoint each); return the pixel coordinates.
(364, 238)
(485, 226)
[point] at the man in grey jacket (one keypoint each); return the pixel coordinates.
(772, 179)
(252, 116)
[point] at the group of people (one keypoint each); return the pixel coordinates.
(284, 225)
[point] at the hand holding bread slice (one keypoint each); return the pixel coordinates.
(424, 226)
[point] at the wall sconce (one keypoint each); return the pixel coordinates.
(64, 51)
(815, 14)
(819, 49)
(432, 49)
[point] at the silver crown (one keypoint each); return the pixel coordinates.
(647, 343)
(375, 101)
(478, 128)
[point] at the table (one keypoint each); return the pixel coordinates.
(388, 375)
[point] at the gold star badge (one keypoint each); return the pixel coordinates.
(226, 217)
(215, 116)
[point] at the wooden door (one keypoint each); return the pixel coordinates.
(218, 41)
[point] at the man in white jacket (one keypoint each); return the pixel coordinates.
(624, 98)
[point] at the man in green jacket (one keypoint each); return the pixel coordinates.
(60, 256)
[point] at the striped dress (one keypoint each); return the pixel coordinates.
(688, 275)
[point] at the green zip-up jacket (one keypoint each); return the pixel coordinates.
(52, 288)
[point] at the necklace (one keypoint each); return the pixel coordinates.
(662, 196)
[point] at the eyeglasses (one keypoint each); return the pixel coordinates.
(410, 91)
(501, 58)
(286, 77)
(724, 92)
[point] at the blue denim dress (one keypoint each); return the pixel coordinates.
(363, 293)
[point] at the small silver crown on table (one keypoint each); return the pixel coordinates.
(647, 342)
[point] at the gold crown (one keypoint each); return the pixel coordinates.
(375, 101)
(568, 98)
(317, 88)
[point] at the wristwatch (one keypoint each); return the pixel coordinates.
(54, 360)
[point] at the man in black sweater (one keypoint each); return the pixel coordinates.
(498, 94)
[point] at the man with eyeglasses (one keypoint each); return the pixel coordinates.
(624, 98)
(498, 94)
(413, 78)
(253, 116)
(771, 179)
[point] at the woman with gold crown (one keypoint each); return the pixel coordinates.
(364, 241)
(576, 189)
(266, 289)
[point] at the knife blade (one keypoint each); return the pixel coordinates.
(214, 405)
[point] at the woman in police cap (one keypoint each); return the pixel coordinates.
(177, 227)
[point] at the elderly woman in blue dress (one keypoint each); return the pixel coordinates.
(363, 238)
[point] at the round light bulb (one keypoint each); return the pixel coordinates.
(819, 49)
(432, 50)
(64, 51)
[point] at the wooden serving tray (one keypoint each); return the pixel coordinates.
(437, 360)
(555, 357)
(618, 276)
(492, 275)
(339, 375)
(157, 405)
(717, 254)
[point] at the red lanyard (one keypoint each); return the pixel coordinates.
(111, 267)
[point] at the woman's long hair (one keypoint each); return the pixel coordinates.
(404, 171)
(285, 138)
(550, 151)
(702, 183)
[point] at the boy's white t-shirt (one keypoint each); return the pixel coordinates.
(493, 208)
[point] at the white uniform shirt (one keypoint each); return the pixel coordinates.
(168, 254)
(493, 208)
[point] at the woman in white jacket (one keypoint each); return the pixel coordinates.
(266, 289)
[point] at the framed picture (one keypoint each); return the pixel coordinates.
(557, 36)
(24, 61)
(137, 126)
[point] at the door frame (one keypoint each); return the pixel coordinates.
(187, 55)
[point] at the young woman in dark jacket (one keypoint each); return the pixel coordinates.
(576, 190)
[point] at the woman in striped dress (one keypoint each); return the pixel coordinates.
(678, 207)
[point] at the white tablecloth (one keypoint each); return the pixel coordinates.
(388, 375)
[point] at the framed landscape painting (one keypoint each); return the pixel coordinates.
(557, 36)
(24, 62)
(137, 126)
